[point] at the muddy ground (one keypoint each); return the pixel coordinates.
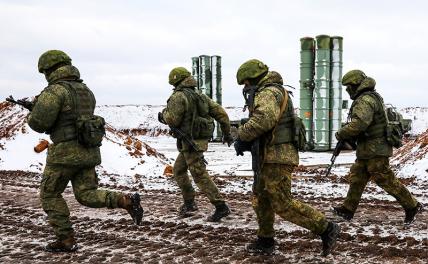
(376, 235)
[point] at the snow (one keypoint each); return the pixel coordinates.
(124, 165)
(419, 117)
(19, 154)
(131, 116)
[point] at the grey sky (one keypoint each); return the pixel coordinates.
(125, 49)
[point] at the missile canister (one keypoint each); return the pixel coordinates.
(217, 89)
(336, 43)
(205, 73)
(322, 94)
(195, 69)
(307, 55)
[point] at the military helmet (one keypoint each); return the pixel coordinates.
(354, 77)
(250, 69)
(51, 58)
(177, 75)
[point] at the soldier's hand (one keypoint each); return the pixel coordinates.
(244, 120)
(337, 136)
(228, 139)
(160, 118)
(242, 146)
(238, 150)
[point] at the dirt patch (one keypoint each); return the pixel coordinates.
(375, 235)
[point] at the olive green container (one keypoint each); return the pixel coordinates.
(307, 69)
(322, 94)
(336, 43)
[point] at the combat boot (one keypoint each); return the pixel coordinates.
(261, 246)
(411, 213)
(187, 208)
(67, 245)
(343, 212)
(131, 203)
(221, 211)
(329, 238)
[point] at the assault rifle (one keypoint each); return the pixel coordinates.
(22, 102)
(341, 145)
(181, 135)
(256, 156)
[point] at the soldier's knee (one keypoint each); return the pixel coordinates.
(178, 169)
(281, 199)
(200, 178)
(383, 180)
(83, 197)
(281, 204)
(198, 172)
(45, 192)
(355, 179)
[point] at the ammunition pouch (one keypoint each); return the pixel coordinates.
(90, 130)
(203, 128)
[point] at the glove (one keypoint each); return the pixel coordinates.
(227, 139)
(242, 146)
(337, 136)
(160, 118)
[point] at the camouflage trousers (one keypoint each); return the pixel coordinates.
(85, 184)
(191, 161)
(273, 195)
(377, 169)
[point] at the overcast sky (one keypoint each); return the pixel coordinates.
(125, 49)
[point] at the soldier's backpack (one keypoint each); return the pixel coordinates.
(298, 129)
(396, 126)
(90, 128)
(300, 141)
(202, 124)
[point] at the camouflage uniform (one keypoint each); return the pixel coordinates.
(175, 115)
(273, 193)
(67, 160)
(366, 126)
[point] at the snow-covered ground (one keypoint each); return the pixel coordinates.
(145, 116)
(135, 153)
(126, 164)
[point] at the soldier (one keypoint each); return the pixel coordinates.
(192, 113)
(55, 112)
(268, 133)
(366, 126)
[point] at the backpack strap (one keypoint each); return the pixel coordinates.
(377, 130)
(282, 108)
(190, 95)
(72, 94)
(65, 128)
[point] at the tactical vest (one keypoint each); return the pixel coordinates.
(377, 128)
(284, 131)
(82, 103)
(197, 123)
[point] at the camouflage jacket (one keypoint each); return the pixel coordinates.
(366, 112)
(177, 106)
(264, 117)
(53, 101)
